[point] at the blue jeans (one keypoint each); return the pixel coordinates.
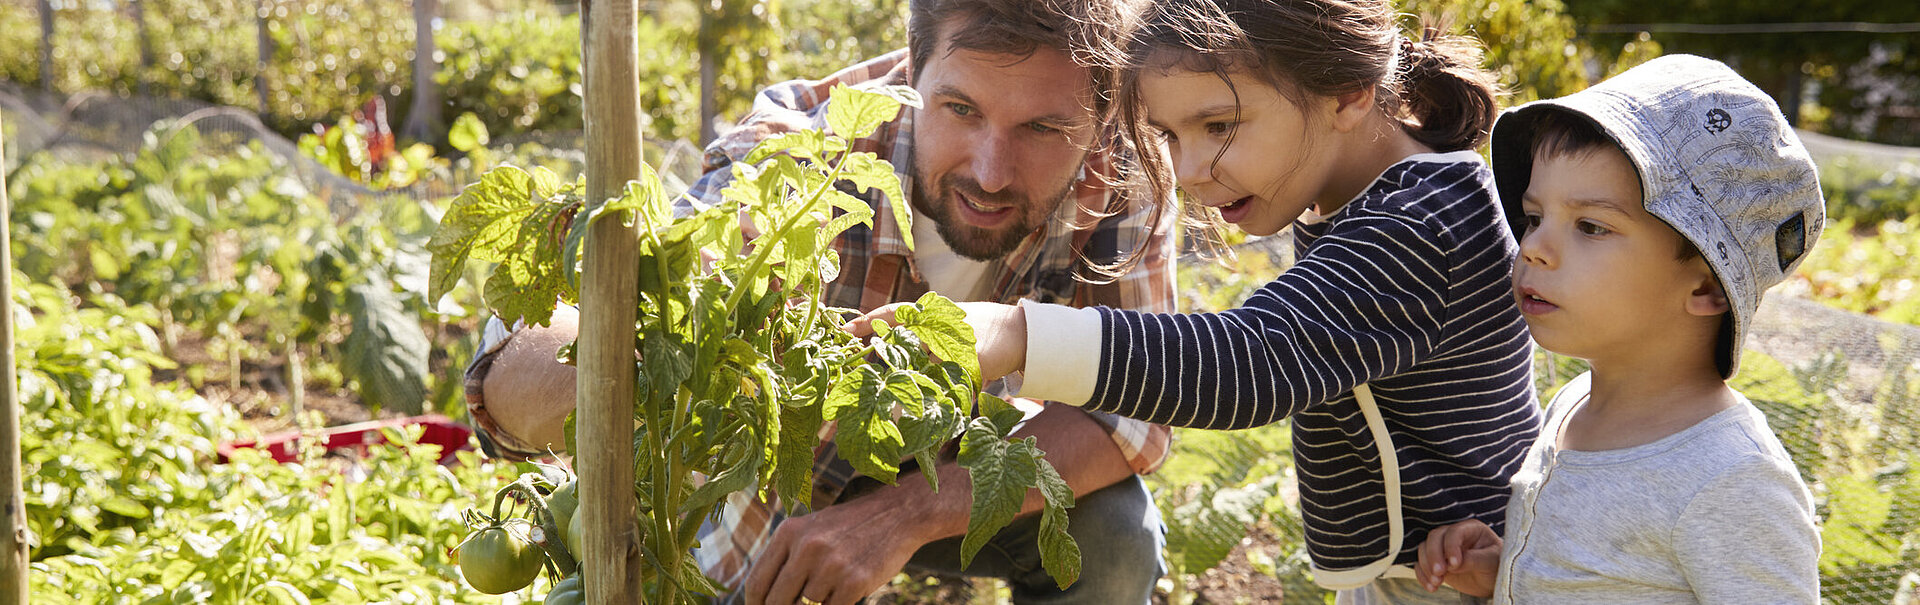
(1120, 536)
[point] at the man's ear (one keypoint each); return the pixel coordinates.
(1350, 110)
(1708, 298)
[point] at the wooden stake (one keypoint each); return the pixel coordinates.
(13, 502)
(609, 295)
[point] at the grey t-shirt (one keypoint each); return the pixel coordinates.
(1715, 513)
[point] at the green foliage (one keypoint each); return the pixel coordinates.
(514, 64)
(225, 243)
(741, 362)
(125, 505)
(516, 72)
(1867, 192)
(1867, 270)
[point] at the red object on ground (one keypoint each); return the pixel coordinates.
(285, 446)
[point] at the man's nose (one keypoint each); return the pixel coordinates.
(993, 162)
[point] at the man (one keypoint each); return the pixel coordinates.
(1002, 163)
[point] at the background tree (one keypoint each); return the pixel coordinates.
(1862, 77)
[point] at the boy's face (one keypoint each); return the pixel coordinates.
(1599, 278)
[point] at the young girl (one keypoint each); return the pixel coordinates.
(1393, 344)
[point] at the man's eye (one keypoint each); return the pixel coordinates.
(960, 109)
(1042, 128)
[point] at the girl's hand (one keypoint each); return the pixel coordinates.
(1464, 555)
(999, 332)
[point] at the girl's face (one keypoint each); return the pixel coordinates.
(1271, 169)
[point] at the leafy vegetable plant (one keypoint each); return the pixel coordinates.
(741, 364)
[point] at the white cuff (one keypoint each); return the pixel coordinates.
(1063, 352)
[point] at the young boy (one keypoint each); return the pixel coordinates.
(1654, 209)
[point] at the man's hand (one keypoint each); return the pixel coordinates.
(999, 332)
(836, 555)
(842, 553)
(1464, 555)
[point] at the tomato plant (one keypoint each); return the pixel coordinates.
(754, 315)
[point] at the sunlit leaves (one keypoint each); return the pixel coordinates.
(515, 218)
(741, 366)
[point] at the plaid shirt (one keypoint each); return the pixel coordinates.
(877, 269)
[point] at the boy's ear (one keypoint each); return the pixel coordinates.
(1351, 109)
(1708, 299)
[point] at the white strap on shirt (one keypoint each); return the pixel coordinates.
(1396, 525)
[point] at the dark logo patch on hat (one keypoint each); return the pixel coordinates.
(1790, 240)
(1718, 120)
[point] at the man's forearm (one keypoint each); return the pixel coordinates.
(1077, 445)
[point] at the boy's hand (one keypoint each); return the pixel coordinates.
(999, 332)
(1465, 555)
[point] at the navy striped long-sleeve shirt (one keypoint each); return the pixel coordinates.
(1406, 289)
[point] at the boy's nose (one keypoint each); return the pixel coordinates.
(1534, 249)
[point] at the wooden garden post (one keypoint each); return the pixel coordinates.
(609, 296)
(13, 503)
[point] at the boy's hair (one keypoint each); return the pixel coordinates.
(1433, 86)
(1716, 160)
(1559, 134)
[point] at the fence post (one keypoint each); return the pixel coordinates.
(609, 298)
(46, 45)
(423, 117)
(13, 502)
(262, 11)
(139, 8)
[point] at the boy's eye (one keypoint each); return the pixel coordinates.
(1528, 223)
(1592, 228)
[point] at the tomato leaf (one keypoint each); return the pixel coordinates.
(1001, 477)
(866, 435)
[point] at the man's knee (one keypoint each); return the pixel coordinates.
(1120, 537)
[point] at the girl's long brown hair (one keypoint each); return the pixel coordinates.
(1433, 86)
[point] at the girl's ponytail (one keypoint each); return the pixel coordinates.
(1445, 99)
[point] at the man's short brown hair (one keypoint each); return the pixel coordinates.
(1019, 28)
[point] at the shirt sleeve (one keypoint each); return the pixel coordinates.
(1749, 537)
(1367, 300)
(1147, 287)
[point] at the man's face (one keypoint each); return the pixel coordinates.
(998, 146)
(1598, 277)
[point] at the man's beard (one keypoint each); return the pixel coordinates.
(972, 242)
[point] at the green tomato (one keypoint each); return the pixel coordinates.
(568, 591)
(563, 502)
(572, 597)
(498, 560)
(577, 536)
